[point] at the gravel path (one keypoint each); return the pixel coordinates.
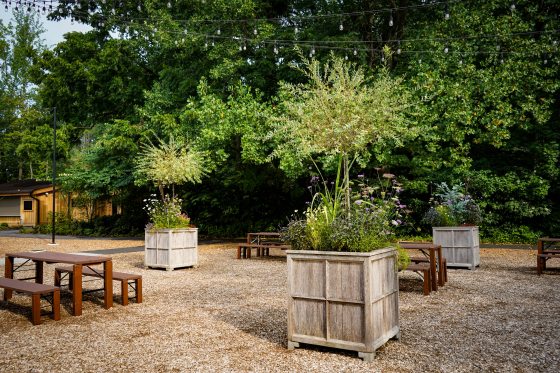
(230, 315)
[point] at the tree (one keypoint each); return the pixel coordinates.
(341, 112)
(169, 164)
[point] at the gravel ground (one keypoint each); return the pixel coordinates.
(231, 315)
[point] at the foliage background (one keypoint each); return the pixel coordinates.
(486, 112)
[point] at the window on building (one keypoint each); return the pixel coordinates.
(28, 205)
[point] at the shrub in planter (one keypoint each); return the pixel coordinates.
(454, 217)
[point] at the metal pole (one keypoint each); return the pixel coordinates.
(54, 179)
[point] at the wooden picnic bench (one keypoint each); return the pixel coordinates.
(37, 291)
(262, 242)
(544, 252)
(127, 280)
(244, 249)
(424, 269)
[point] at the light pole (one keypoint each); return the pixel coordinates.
(54, 180)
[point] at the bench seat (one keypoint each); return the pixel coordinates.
(36, 291)
(425, 269)
(126, 280)
(244, 249)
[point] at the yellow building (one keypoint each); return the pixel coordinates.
(29, 203)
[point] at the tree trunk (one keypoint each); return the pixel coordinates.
(346, 183)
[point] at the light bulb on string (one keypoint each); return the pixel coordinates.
(275, 48)
(346, 57)
(218, 32)
(355, 52)
(446, 12)
(255, 31)
(446, 50)
(399, 47)
(341, 26)
(501, 58)
(512, 7)
(213, 44)
(312, 52)
(244, 46)
(139, 7)
(296, 30)
(391, 19)
(169, 4)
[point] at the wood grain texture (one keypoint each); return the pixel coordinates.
(343, 300)
(460, 245)
(171, 248)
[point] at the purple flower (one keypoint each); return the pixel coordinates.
(361, 176)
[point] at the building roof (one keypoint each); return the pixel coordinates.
(22, 187)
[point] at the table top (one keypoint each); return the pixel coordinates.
(418, 245)
(550, 239)
(271, 234)
(51, 257)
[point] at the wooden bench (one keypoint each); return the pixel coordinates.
(126, 280)
(425, 269)
(423, 259)
(544, 252)
(36, 291)
(244, 249)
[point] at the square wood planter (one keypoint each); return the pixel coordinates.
(459, 245)
(343, 300)
(171, 248)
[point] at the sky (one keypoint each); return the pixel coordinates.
(54, 29)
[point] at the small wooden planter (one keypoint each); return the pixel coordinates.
(343, 300)
(459, 245)
(171, 248)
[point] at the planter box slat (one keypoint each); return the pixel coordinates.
(343, 300)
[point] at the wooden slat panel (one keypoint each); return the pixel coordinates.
(310, 319)
(308, 278)
(346, 322)
(346, 280)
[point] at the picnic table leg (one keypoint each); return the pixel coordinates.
(76, 281)
(433, 269)
(238, 252)
(8, 273)
(38, 272)
(108, 274)
(441, 275)
(541, 262)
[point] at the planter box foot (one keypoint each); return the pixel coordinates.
(292, 345)
(368, 357)
(397, 336)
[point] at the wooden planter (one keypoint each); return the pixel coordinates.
(459, 245)
(171, 248)
(343, 300)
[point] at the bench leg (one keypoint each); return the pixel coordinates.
(248, 252)
(139, 290)
(36, 309)
(56, 305)
(124, 292)
(238, 252)
(540, 265)
(427, 282)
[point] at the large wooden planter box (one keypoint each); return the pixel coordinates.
(459, 245)
(171, 248)
(343, 300)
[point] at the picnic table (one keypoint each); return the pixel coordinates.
(436, 260)
(546, 252)
(78, 262)
(262, 241)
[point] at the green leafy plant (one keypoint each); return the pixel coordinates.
(366, 225)
(452, 206)
(166, 165)
(166, 213)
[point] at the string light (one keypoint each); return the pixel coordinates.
(399, 47)
(391, 19)
(446, 11)
(341, 26)
(218, 31)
